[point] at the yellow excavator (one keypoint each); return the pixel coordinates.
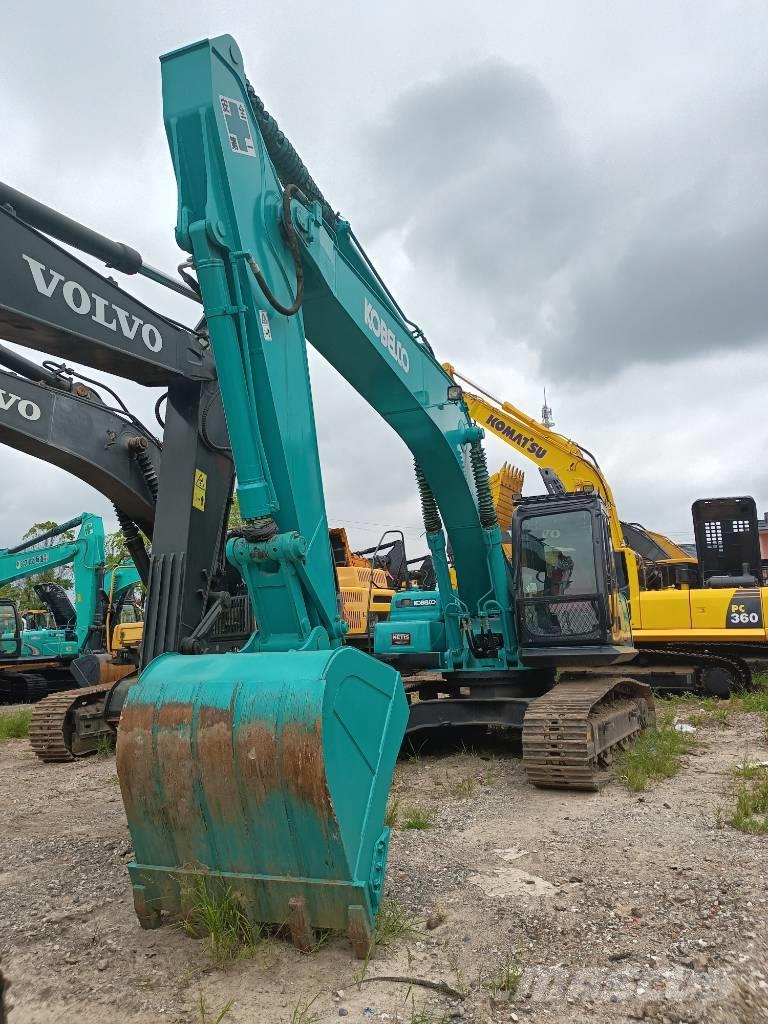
(691, 632)
(365, 591)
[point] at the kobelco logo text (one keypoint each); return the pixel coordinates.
(24, 563)
(377, 326)
(516, 437)
(29, 410)
(425, 602)
(84, 303)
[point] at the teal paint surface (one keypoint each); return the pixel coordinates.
(271, 770)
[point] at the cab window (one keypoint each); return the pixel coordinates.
(557, 555)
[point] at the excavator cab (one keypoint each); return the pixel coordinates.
(11, 626)
(570, 604)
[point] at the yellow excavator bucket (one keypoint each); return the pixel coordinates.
(506, 488)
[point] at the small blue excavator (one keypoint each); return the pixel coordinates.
(267, 770)
(34, 661)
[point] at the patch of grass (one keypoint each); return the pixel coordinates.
(464, 788)
(424, 1015)
(507, 976)
(220, 1014)
(303, 1013)
(105, 745)
(393, 921)
(14, 725)
(755, 700)
(751, 811)
(414, 753)
(654, 755)
(216, 912)
(417, 817)
(712, 709)
(392, 812)
(747, 769)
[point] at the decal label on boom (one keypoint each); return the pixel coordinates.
(378, 327)
(745, 610)
(91, 305)
(24, 563)
(198, 494)
(528, 444)
(29, 410)
(266, 330)
(238, 129)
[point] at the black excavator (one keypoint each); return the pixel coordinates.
(176, 491)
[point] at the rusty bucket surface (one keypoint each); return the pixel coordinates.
(268, 772)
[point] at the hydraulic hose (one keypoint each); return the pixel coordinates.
(485, 505)
(429, 509)
(134, 544)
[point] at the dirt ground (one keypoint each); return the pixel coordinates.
(616, 906)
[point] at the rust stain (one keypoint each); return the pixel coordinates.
(257, 760)
(215, 763)
(134, 761)
(174, 758)
(304, 766)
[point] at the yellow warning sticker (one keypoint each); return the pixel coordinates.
(198, 495)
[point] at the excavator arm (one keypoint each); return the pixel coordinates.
(53, 302)
(85, 554)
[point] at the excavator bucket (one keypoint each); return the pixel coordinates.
(266, 774)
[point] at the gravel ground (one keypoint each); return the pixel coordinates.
(613, 906)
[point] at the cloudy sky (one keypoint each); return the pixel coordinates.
(563, 194)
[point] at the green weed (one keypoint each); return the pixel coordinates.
(216, 912)
(302, 1012)
(105, 745)
(507, 977)
(654, 755)
(392, 812)
(220, 1015)
(751, 811)
(14, 725)
(747, 769)
(393, 921)
(417, 817)
(464, 788)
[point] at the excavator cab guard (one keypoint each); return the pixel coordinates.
(568, 596)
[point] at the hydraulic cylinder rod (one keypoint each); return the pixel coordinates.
(118, 255)
(55, 532)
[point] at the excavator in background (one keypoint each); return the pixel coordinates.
(365, 590)
(34, 662)
(57, 415)
(695, 621)
(293, 738)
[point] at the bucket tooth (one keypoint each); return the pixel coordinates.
(302, 934)
(269, 774)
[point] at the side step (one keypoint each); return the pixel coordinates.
(571, 732)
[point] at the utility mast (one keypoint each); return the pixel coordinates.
(546, 413)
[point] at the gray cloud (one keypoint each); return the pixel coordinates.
(650, 250)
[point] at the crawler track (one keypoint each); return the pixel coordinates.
(570, 734)
(52, 732)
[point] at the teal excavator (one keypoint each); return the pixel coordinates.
(266, 771)
(38, 660)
